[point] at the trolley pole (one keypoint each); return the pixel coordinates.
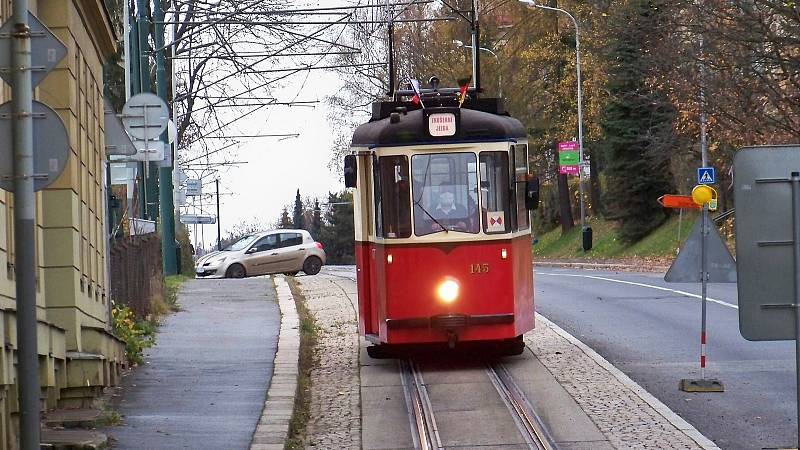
(219, 227)
(476, 57)
(390, 49)
(24, 226)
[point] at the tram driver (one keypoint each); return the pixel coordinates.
(448, 213)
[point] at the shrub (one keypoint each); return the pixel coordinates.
(137, 334)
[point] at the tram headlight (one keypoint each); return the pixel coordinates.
(448, 291)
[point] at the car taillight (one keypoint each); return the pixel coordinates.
(319, 245)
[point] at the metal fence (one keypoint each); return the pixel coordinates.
(136, 272)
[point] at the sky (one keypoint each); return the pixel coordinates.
(275, 168)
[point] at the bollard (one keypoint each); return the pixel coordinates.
(587, 238)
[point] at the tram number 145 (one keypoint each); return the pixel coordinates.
(479, 268)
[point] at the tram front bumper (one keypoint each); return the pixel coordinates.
(449, 321)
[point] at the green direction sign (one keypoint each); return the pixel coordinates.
(568, 158)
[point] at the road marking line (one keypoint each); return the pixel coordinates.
(676, 420)
(684, 293)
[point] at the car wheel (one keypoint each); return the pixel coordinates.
(291, 274)
(312, 265)
(235, 271)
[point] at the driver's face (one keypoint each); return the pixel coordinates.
(446, 199)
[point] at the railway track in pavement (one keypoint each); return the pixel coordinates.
(427, 434)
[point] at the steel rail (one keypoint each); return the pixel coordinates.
(527, 420)
(425, 433)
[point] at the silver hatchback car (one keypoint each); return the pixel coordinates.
(268, 252)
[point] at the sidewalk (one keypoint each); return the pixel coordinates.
(203, 385)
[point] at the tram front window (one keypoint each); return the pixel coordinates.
(445, 187)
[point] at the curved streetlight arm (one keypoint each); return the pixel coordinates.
(497, 58)
(461, 44)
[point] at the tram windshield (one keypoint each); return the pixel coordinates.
(445, 189)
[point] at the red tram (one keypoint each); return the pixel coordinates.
(442, 229)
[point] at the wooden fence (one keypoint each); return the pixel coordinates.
(136, 272)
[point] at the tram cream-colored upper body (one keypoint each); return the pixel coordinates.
(364, 204)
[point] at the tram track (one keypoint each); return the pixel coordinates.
(527, 420)
(425, 431)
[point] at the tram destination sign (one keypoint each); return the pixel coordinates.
(442, 124)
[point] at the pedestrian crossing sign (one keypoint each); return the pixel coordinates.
(705, 175)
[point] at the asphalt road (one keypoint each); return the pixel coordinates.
(652, 333)
(203, 384)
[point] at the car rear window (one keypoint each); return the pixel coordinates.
(290, 239)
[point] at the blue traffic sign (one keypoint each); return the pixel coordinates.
(705, 175)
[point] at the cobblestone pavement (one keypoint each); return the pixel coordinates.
(335, 411)
(618, 408)
(626, 414)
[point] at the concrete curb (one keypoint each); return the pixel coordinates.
(647, 397)
(272, 430)
(602, 266)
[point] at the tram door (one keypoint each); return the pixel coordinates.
(365, 248)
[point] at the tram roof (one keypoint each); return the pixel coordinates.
(412, 128)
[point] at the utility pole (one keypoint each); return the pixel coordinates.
(135, 86)
(219, 227)
(24, 229)
(150, 173)
(165, 197)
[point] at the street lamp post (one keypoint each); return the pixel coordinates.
(532, 3)
(499, 72)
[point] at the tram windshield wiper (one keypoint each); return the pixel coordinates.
(416, 203)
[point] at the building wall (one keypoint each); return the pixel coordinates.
(78, 354)
(74, 206)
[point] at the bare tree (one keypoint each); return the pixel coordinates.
(230, 57)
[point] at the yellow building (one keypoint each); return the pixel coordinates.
(78, 354)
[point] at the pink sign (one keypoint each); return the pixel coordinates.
(571, 145)
(569, 170)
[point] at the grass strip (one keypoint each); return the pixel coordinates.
(661, 243)
(307, 362)
(172, 284)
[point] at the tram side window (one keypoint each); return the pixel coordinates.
(376, 181)
(395, 215)
(445, 193)
(521, 176)
(495, 202)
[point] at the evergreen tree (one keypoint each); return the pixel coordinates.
(637, 123)
(285, 221)
(338, 232)
(316, 221)
(297, 217)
